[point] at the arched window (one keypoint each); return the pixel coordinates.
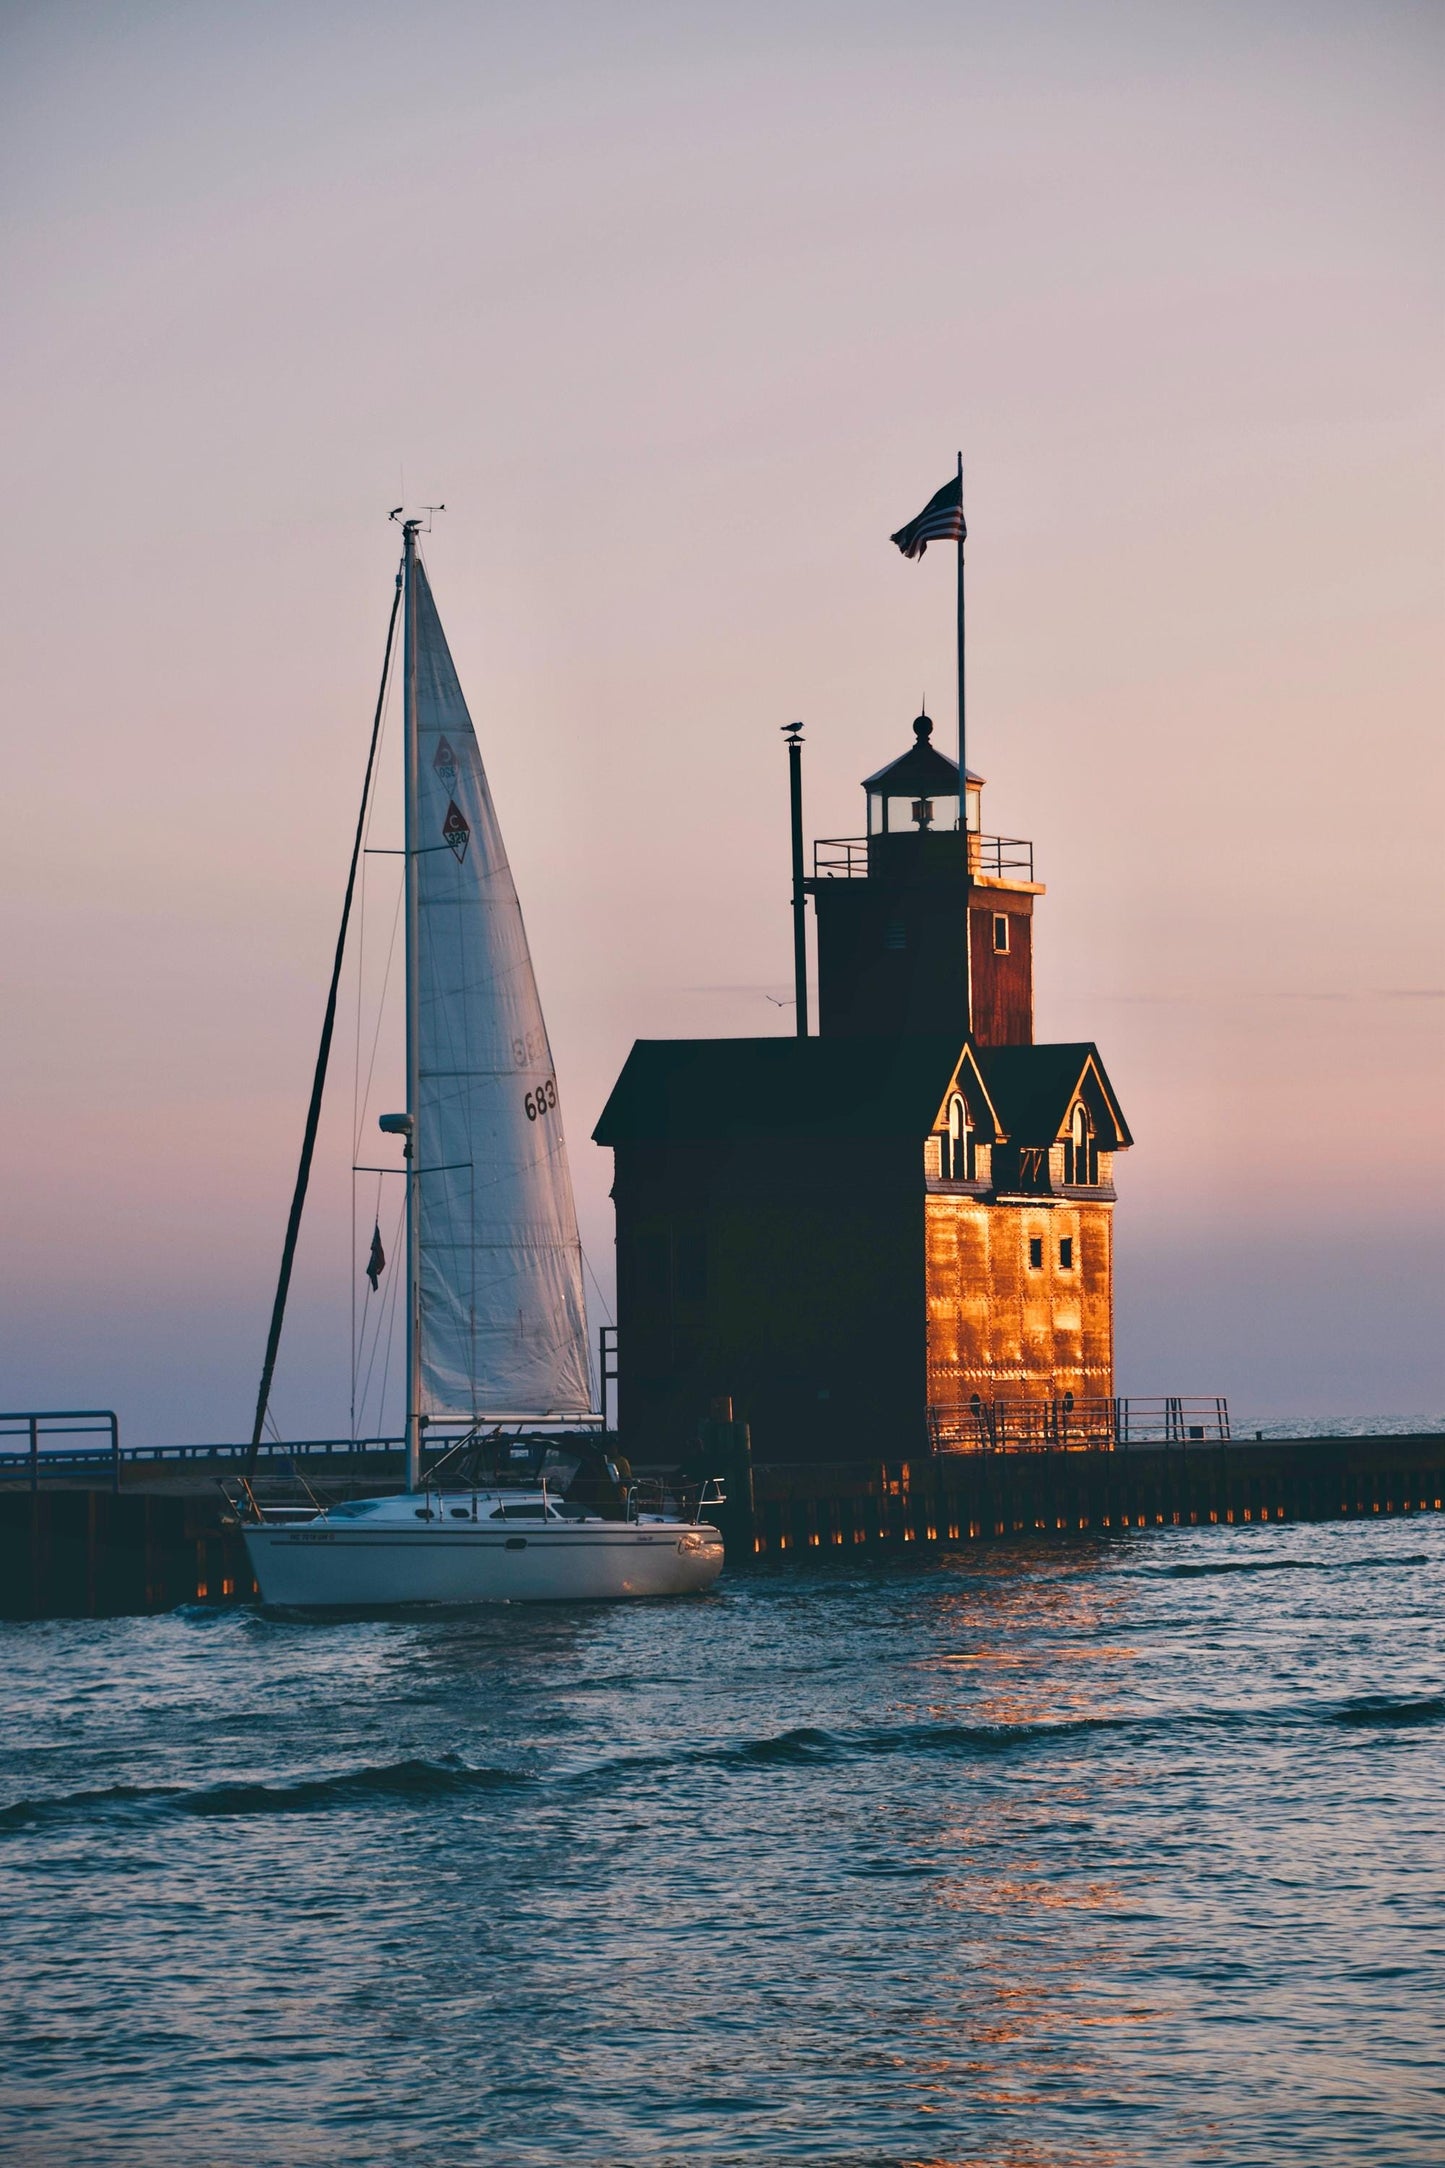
(1081, 1149)
(960, 1159)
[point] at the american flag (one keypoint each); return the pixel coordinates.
(941, 520)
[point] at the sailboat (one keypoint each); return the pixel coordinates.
(496, 1330)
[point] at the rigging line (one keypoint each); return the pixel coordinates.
(357, 1344)
(357, 1109)
(382, 1322)
(390, 1330)
(380, 1327)
(318, 1082)
(355, 1081)
(380, 1019)
(597, 1284)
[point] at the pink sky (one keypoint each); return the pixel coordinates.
(682, 311)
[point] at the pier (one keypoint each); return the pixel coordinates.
(89, 1533)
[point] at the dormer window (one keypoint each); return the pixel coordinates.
(1081, 1150)
(960, 1155)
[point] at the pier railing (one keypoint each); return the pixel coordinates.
(40, 1456)
(37, 1426)
(1077, 1425)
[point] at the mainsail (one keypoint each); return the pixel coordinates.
(502, 1321)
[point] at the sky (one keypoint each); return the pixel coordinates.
(681, 311)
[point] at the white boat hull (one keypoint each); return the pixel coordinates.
(315, 1566)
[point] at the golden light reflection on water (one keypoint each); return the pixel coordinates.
(1035, 1959)
(1032, 1969)
(1001, 1659)
(1043, 1630)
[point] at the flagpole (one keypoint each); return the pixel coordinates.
(962, 697)
(963, 775)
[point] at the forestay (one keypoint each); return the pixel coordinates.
(502, 1319)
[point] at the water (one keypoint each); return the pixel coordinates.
(1049, 1856)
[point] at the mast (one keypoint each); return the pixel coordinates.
(413, 1038)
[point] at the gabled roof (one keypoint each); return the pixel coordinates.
(691, 1089)
(695, 1088)
(967, 1078)
(1034, 1087)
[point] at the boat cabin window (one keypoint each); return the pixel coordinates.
(531, 1511)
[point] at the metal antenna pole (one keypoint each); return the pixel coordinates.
(410, 843)
(793, 733)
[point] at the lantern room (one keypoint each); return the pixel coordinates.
(917, 795)
(921, 926)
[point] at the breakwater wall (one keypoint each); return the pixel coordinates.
(79, 1551)
(962, 1498)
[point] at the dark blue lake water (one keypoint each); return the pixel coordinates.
(1100, 1853)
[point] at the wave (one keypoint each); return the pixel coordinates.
(802, 1748)
(404, 1780)
(1384, 1709)
(1192, 1570)
(808, 1747)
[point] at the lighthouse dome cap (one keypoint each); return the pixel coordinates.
(920, 772)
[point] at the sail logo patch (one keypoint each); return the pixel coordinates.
(455, 832)
(445, 765)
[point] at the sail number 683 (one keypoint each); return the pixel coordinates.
(542, 1100)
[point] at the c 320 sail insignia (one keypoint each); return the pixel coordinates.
(445, 765)
(455, 831)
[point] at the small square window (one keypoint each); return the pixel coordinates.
(1066, 1253)
(1036, 1253)
(1000, 933)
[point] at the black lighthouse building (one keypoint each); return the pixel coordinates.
(896, 1233)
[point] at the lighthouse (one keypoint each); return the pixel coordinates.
(897, 1234)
